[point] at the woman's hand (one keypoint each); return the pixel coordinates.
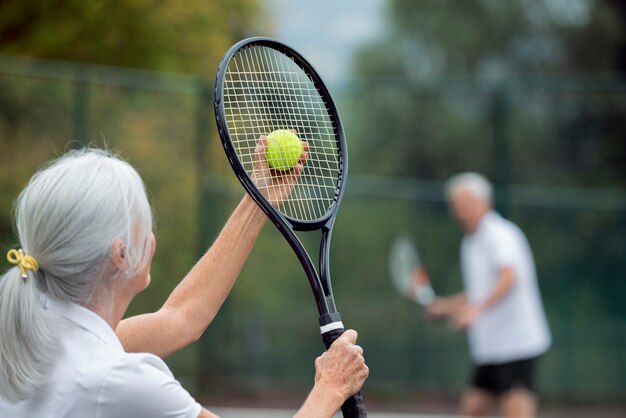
(339, 374)
(342, 368)
(275, 185)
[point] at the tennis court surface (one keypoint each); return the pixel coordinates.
(574, 412)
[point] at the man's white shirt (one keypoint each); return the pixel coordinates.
(515, 327)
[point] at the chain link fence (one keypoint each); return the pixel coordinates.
(264, 340)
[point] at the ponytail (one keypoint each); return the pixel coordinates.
(26, 342)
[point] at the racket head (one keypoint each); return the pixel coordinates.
(264, 85)
(408, 275)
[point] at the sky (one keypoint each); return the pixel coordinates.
(327, 32)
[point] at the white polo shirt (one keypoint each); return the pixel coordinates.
(95, 377)
(515, 327)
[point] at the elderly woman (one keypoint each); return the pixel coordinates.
(85, 229)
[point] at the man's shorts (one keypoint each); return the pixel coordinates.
(500, 378)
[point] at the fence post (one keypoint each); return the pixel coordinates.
(202, 125)
(205, 231)
(501, 152)
(79, 110)
(213, 357)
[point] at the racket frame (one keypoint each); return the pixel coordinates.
(331, 326)
(320, 281)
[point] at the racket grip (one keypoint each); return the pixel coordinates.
(353, 407)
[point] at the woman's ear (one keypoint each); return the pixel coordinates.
(119, 255)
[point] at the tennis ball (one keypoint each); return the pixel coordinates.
(284, 149)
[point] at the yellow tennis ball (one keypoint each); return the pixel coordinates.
(284, 149)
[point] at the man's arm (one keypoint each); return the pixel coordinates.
(465, 316)
(445, 306)
(195, 301)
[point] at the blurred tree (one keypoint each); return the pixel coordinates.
(443, 69)
(168, 35)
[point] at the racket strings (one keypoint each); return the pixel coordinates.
(285, 80)
(264, 90)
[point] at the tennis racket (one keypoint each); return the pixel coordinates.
(263, 85)
(407, 273)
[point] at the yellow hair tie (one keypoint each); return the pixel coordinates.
(24, 262)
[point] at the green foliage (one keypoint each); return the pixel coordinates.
(188, 36)
(446, 72)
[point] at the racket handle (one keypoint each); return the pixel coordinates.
(354, 407)
(332, 328)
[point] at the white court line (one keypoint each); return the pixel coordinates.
(285, 413)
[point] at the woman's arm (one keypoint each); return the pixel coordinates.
(206, 414)
(195, 301)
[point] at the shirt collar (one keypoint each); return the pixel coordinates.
(487, 217)
(86, 319)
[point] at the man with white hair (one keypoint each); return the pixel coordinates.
(501, 306)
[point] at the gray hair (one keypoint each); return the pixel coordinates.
(474, 182)
(68, 218)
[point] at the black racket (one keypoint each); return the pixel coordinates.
(263, 85)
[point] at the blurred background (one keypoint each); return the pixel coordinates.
(532, 93)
